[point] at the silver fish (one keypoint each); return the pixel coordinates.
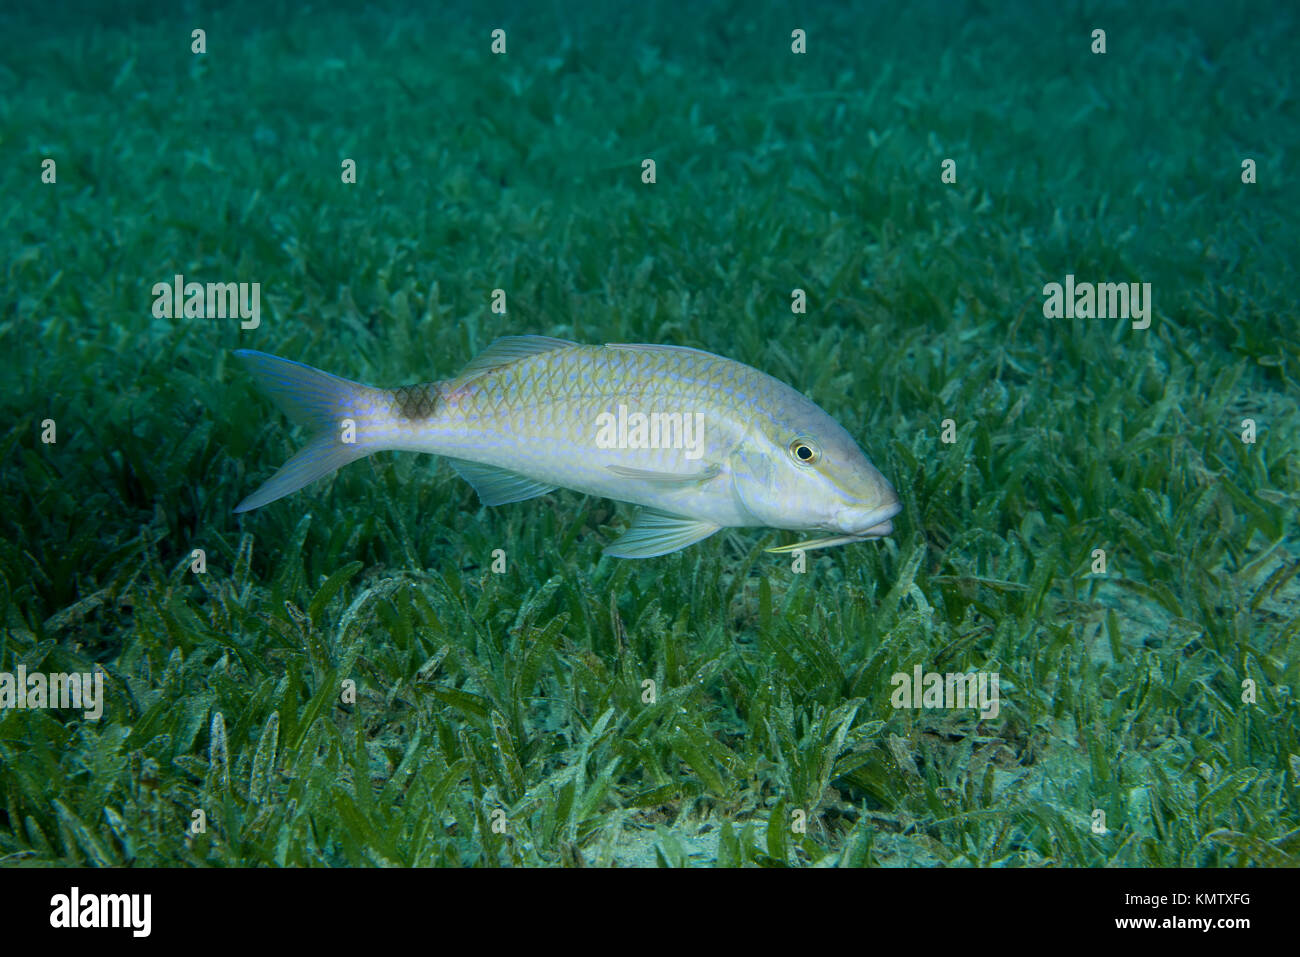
(699, 441)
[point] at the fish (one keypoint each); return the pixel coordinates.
(698, 441)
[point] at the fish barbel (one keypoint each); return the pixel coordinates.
(699, 441)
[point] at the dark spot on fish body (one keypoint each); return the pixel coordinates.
(415, 401)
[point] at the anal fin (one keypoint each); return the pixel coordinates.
(498, 486)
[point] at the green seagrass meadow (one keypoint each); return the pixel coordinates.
(506, 719)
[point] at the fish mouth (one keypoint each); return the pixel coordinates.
(877, 531)
(875, 524)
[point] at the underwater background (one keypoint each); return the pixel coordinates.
(341, 678)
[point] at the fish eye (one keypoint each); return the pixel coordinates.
(804, 451)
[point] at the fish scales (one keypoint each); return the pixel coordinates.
(521, 416)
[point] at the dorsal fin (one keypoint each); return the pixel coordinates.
(651, 347)
(502, 352)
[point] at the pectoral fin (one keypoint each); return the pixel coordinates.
(657, 533)
(667, 478)
(497, 486)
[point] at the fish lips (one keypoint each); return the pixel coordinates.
(875, 524)
(882, 530)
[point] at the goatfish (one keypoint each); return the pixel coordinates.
(700, 442)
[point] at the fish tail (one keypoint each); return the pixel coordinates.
(340, 414)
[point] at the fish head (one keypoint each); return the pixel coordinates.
(803, 470)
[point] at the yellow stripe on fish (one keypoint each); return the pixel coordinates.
(699, 441)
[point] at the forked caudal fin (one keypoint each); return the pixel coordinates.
(349, 421)
(324, 404)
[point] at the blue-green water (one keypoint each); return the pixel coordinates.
(1043, 275)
